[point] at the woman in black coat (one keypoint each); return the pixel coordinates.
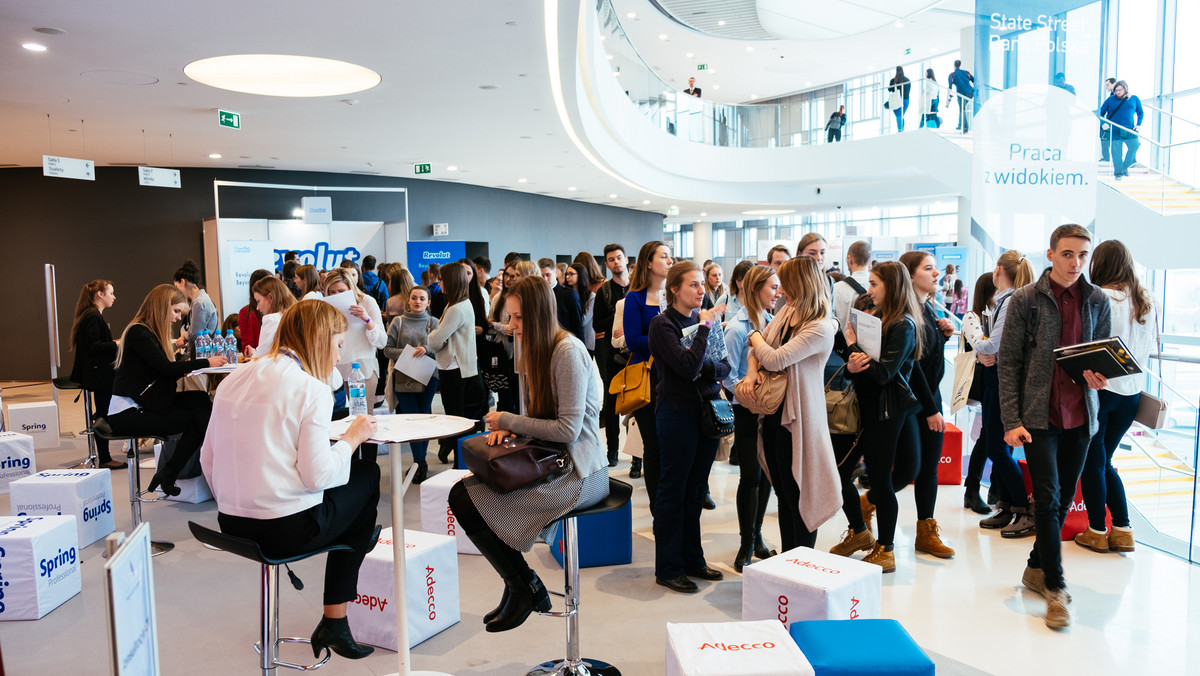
(95, 352)
(145, 401)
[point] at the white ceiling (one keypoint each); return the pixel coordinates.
(112, 89)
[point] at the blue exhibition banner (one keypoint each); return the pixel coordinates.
(422, 254)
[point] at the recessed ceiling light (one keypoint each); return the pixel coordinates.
(768, 212)
(933, 50)
(749, 49)
(753, 96)
(721, 22)
(703, 213)
(612, 196)
(645, 201)
(522, 180)
(47, 30)
(689, 55)
(603, 38)
(282, 75)
(808, 84)
(662, 36)
(452, 167)
(298, 212)
(899, 24)
(631, 15)
(716, 86)
(34, 47)
(610, 57)
(214, 156)
(571, 188)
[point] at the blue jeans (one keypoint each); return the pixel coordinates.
(1006, 475)
(1055, 458)
(900, 116)
(417, 402)
(686, 456)
(1123, 157)
(1100, 483)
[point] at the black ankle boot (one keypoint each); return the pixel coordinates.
(612, 458)
(760, 548)
(635, 468)
(165, 479)
(335, 634)
(422, 472)
(745, 554)
(522, 601)
(973, 502)
(498, 609)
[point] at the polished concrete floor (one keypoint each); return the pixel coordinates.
(1132, 613)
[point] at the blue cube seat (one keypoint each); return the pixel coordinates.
(860, 648)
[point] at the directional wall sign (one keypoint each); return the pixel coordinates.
(158, 178)
(230, 119)
(422, 168)
(68, 167)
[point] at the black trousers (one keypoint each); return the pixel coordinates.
(917, 456)
(1055, 458)
(610, 420)
(647, 421)
(754, 489)
(187, 417)
(877, 447)
(101, 398)
(463, 397)
(777, 448)
(346, 515)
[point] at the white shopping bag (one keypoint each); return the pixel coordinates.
(633, 438)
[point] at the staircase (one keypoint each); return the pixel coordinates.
(1158, 483)
(1163, 194)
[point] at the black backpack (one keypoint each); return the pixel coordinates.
(377, 292)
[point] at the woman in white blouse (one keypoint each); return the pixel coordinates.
(453, 341)
(366, 333)
(275, 476)
(1133, 319)
(272, 297)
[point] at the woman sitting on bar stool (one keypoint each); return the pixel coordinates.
(145, 401)
(95, 352)
(563, 398)
(275, 476)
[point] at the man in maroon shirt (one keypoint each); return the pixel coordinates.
(1042, 408)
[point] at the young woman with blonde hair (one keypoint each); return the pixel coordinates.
(271, 297)
(563, 402)
(275, 476)
(795, 439)
(95, 351)
(760, 289)
(145, 401)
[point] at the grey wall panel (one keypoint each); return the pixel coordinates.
(136, 236)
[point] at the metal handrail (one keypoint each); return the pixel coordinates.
(1135, 442)
(1170, 114)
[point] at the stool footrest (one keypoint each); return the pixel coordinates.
(145, 500)
(583, 667)
(297, 667)
(558, 613)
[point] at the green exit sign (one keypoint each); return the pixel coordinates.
(907, 51)
(229, 119)
(422, 168)
(702, 66)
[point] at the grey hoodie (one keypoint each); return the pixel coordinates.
(1027, 367)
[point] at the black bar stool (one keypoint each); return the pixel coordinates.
(93, 460)
(619, 493)
(269, 593)
(102, 430)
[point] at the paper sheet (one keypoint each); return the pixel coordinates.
(394, 429)
(419, 369)
(342, 301)
(869, 331)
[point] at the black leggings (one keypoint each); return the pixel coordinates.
(101, 398)
(877, 447)
(917, 456)
(777, 448)
(346, 515)
(754, 488)
(648, 426)
(187, 417)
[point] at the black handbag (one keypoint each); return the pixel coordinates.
(495, 365)
(716, 418)
(515, 463)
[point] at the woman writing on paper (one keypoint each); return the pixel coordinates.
(145, 401)
(563, 398)
(275, 476)
(366, 332)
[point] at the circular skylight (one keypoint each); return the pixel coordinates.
(282, 75)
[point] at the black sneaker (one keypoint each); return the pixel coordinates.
(1000, 519)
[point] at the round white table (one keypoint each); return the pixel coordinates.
(397, 429)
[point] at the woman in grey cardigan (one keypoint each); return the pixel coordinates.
(563, 406)
(454, 343)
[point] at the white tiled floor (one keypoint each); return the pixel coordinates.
(1132, 612)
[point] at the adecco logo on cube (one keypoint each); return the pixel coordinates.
(812, 566)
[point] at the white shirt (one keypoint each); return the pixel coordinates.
(1139, 338)
(362, 339)
(844, 295)
(266, 333)
(266, 453)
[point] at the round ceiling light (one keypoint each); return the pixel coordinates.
(282, 75)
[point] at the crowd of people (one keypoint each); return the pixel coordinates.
(534, 350)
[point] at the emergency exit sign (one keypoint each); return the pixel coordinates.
(422, 168)
(229, 119)
(702, 66)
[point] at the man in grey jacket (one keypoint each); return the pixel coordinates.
(1042, 408)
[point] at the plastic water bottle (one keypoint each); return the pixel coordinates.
(357, 391)
(201, 345)
(231, 347)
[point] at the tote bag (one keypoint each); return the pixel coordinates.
(964, 375)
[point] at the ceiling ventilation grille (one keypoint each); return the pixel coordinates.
(740, 17)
